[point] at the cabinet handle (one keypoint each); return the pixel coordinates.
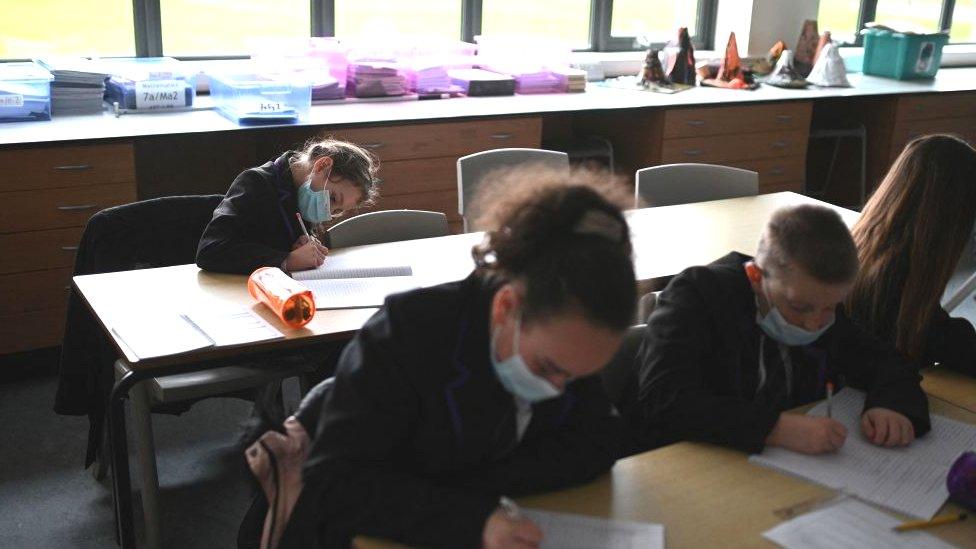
(501, 135)
(784, 117)
(776, 171)
(692, 152)
(76, 208)
(374, 146)
(69, 248)
(779, 144)
(75, 168)
(696, 123)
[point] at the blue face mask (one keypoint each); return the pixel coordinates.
(782, 331)
(515, 375)
(315, 206)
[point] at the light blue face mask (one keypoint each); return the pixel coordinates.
(782, 331)
(315, 206)
(515, 375)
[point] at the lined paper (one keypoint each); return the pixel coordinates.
(341, 267)
(849, 524)
(161, 334)
(232, 327)
(349, 293)
(910, 480)
(568, 531)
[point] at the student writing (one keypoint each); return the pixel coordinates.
(733, 345)
(455, 395)
(910, 237)
(255, 225)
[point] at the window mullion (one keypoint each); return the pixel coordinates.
(471, 11)
(147, 23)
(867, 14)
(323, 17)
(945, 20)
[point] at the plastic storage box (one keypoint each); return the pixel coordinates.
(149, 83)
(254, 98)
(902, 55)
(25, 92)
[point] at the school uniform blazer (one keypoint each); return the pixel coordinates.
(416, 439)
(255, 225)
(698, 367)
(951, 342)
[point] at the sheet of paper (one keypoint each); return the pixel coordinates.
(568, 531)
(350, 293)
(910, 480)
(849, 524)
(160, 335)
(232, 327)
(340, 266)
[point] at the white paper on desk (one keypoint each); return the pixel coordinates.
(232, 327)
(568, 531)
(849, 524)
(340, 266)
(910, 480)
(159, 334)
(351, 293)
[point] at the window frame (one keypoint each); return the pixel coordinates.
(869, 10)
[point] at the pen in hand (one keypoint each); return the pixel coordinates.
(301, 224)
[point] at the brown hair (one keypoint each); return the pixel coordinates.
(910, 237)
(349, 160)
(563, 235)
(812, 237)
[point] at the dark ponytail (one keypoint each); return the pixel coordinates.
(563, 235)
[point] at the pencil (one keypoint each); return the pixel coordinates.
(301, 224)
(916, 524)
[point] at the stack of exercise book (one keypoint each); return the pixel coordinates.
(78, 86)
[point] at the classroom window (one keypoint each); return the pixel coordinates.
(218, 27)
(381, 21)
(657, 20)
(840, 18)
(565, 20)
(39, 28)
(964, 22)
(919, 15)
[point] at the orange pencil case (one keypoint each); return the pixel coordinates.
(289, 299)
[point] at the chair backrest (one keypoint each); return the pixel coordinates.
(387, 226)
(645, 306)
(686, 183)
(619, 372)
(471, 169)
(158, 232)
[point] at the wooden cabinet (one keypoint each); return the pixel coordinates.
(770, 139)
(49, 193)
(418, 162)
(917, 115)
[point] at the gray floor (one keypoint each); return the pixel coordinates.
(47, 500)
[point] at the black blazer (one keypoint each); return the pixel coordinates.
(416, 439)
(255, 225)
(951, 342)
(698, 368)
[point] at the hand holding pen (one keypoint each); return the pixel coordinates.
(307, 252)
(506, 527)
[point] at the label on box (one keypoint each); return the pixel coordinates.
(160, 94)
(267, 106)
(11, 100)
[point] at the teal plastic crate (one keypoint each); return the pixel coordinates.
(902, 56)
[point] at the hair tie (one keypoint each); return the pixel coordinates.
(600, 223)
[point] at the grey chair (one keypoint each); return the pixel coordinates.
(687, 183)
(620, 371)
(472, 169)
(645, 306)
(387, 226)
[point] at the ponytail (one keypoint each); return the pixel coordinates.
(562, 235)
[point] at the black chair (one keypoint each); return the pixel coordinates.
(159, 232)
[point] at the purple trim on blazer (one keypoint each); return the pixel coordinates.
(569, 400)
(463, 375)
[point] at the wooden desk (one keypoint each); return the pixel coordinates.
(666, 240)
(952, 387)
(707, 496)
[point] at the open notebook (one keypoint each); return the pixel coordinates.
(340, 283)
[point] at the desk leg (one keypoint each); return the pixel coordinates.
(121, 483)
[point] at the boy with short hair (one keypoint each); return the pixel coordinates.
(732, 345)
